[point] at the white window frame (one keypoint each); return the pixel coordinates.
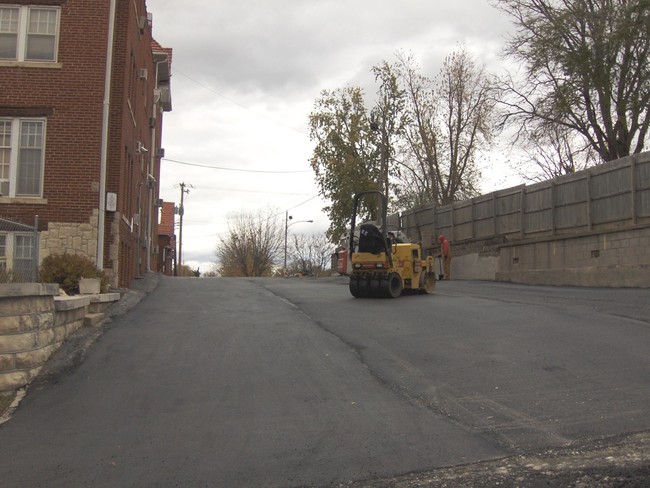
(10, 259)
(23, 34)
(15, 150)
(4, 251)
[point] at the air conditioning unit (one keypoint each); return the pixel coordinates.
(159, 202)
(142, 23)
(139, 148)
(160, 152)
(165, 95)
(144, 74)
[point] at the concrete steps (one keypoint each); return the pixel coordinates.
(92, 319)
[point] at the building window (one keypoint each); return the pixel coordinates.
(3, 253)
(29, 33)
(17, 257)
(5, 156)
(24, 255)
(9, 32)
(22, 143)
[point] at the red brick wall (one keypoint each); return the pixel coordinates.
(131, 100)
(71, 94)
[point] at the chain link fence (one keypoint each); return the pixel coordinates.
(18, 251)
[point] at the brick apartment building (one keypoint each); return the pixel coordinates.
(167, 239)
(83, 89)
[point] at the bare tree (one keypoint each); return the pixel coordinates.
(451, 119)
(252, 245)
(310, 254)
(389, 120)
(553, 152)
(585, 68)
(422, 137)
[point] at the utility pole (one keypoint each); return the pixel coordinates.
(286, 232)
(181, 211)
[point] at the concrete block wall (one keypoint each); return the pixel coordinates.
(34, 322)
(614, 258)
(474, 266)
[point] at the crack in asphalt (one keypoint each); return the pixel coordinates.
(433, 402)
(620, 461)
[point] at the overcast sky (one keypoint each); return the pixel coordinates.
(246, 73)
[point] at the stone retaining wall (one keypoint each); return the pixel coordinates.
(34, 322)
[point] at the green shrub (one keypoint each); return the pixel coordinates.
(68, 269)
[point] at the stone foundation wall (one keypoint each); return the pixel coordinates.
(61, 237)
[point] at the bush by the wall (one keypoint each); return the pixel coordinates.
(68, 269)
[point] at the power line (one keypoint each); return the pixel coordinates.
(240, 170)
(262, 192)
(263, 220)
(306, 201)
(235, 102)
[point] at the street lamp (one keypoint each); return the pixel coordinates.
(287, 218)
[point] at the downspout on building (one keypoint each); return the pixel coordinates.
(161, 60)
(101, 218)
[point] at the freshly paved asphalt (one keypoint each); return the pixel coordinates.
(247, 382)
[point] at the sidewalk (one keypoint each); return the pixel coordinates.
(139, 288)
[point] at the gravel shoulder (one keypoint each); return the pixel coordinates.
(608, 463)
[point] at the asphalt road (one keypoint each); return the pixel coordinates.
(250, 382)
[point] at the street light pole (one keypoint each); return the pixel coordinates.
(287, 218)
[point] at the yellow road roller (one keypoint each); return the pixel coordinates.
(382, 265)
